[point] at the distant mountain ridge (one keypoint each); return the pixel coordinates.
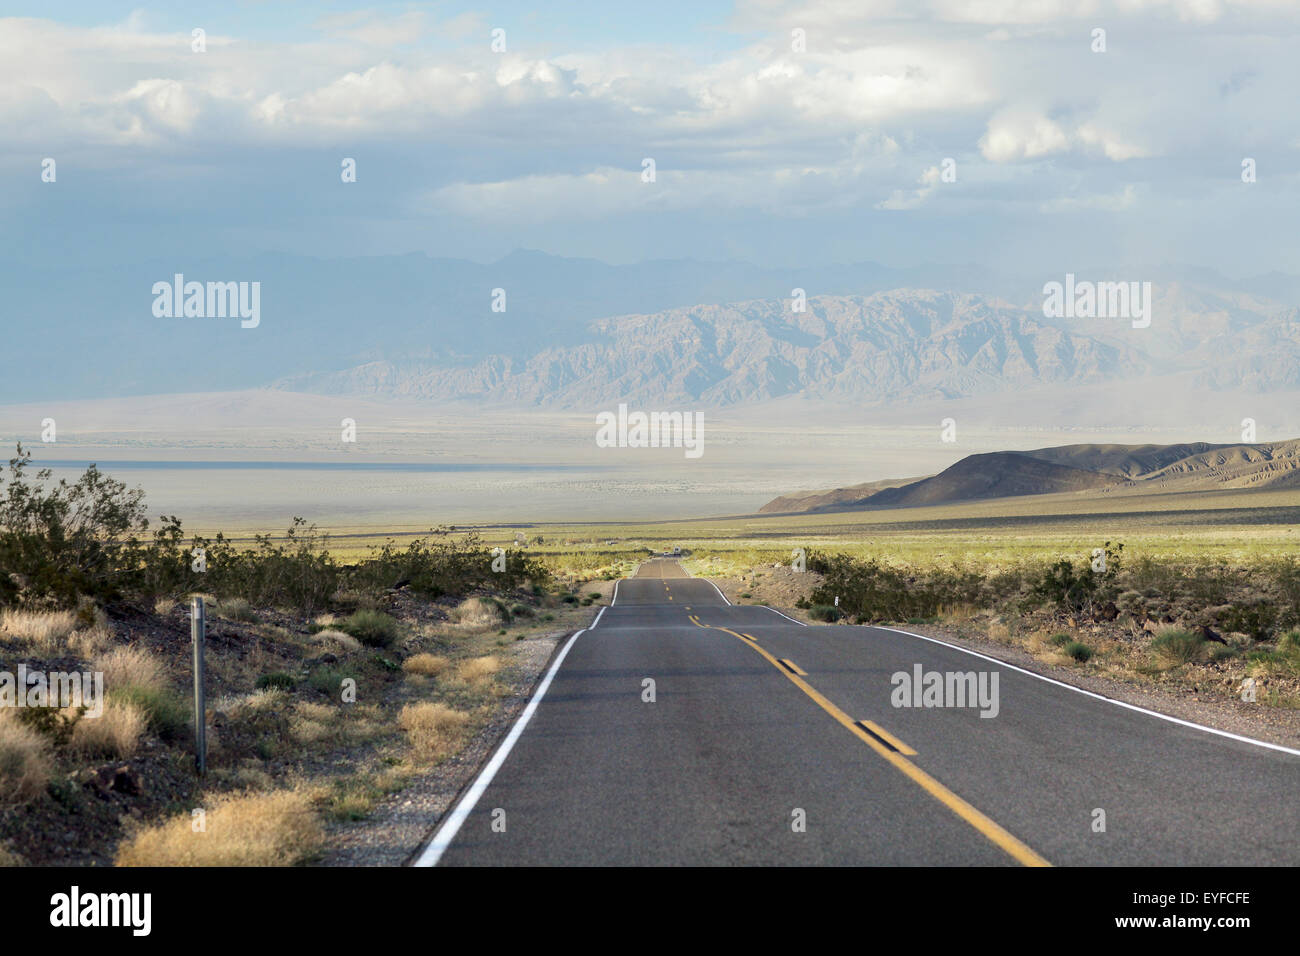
(890, 346)
(1195, 466)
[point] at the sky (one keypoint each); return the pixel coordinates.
(781, 133)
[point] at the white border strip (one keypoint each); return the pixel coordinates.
(716, 588)
(720, 594)
(1088, 693)
(614, 599)
(447, 832)
(786, 616)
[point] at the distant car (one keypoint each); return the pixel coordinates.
(676, 552)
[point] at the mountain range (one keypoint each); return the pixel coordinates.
(1195, 466)
(580, 333)
(898, 345)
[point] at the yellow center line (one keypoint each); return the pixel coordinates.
(985, 825)
(889, 738)
(792, 666)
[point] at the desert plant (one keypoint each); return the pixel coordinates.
(1175, 646)
(372, 628)
(433, 728)
(114, 733)
(428, 665)
(25, 764)
(275, 680)
(1080, 652)
(274, 829)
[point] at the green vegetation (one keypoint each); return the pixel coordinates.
(372, 628)
(276, 680)
(63, 543)
(1080, 652)
(1177, 646)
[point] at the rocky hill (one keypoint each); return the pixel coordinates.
(1196, 466)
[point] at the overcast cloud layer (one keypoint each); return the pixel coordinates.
(1064, 157)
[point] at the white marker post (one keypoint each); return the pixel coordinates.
(198, 629)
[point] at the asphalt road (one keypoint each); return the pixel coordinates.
(751, 753)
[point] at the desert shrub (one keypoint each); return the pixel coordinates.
(478, 670)
(45, 632)
(275, 680)
(53, 723)
(131, 666)
(371, 628)
(1289, 644)
(442, 563)
(1080, 589)
(825, 612)
(1060, 640)
(274, 829)
(433, 728)
(236, 609)
(429, 665)
(1080, 652)
(25, 764)
(295, 571)
(479, 612)
(115, 733)
(166, 714)
(521, 610)
(1257, 620)
(871, 590)
(329, 680)
(1176, 646)
(59, 541)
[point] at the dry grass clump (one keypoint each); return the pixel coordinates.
(434, 729)
(429, 665)
(273, 829)
(478, 670)
(313, 723)
(94, 640)
(46, 632)
(114, 733)
(130, 666)
(337, 638)
(475, 612)
(1174, 645)
(236, 609)
(25, 764)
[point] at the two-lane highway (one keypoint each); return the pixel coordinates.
(680, 729)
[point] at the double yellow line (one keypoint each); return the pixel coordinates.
(896, 756)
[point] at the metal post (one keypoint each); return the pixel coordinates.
(198, 630)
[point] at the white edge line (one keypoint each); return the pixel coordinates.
(786, 616)
(1088, 693)
(614, 599)
(447, 832)
(720, 594)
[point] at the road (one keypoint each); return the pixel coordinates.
(750, 752)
